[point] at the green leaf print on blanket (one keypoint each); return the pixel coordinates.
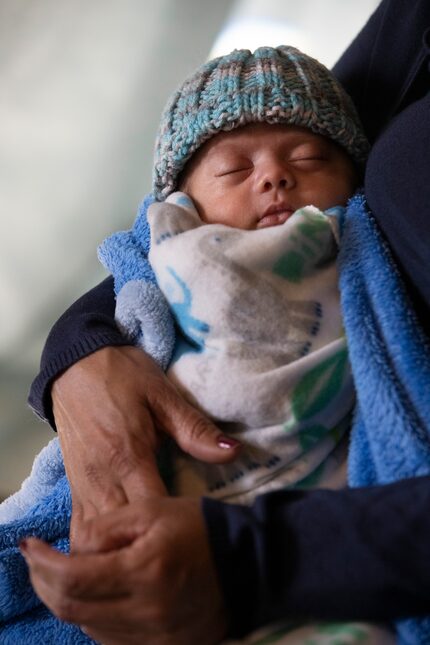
(309, 244)
(338, 634)
(318, 634)
(310, 398)
(319, 386)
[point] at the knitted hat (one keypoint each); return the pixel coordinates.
(271, 85)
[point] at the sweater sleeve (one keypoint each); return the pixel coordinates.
(88, 325)
(385, 67)
(386, 71)
(355, 554)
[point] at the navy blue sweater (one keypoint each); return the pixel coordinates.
(352, 554)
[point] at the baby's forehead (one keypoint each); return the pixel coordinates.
(258, 134)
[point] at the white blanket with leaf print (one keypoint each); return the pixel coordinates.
(261, 348)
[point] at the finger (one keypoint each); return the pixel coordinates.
(100, 613)
(131, 459)
(192, 431)
(81, 576)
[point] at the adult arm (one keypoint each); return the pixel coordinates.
(321, 555)
(108, 401)
(112, 409)
(86, 326)
(355, 554)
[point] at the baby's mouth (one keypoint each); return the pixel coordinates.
(275, 215)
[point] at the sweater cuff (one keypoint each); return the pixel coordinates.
(39, 398)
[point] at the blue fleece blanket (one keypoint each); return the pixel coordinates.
(390, 359)
(390, 439)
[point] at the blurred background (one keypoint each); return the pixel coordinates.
(83, 84)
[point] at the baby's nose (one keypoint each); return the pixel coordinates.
(276, 174)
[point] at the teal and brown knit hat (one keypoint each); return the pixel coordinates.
(271, 85)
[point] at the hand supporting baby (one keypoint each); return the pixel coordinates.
(162, 587)
(110, 427)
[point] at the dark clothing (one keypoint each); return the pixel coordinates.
(386, 72)
(347, 555)
(353, 554)
(86, 326)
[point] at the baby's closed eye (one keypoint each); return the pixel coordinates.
(308, 152)
(231, 164)
(233, 169)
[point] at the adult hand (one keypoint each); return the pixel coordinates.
(147, 577)
(108, 408)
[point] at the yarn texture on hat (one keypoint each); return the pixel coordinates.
(272, 85)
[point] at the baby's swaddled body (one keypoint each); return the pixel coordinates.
(261, 348)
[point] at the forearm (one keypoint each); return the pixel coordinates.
(88, 325)
(354, 554)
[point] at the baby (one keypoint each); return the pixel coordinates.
(263, 147)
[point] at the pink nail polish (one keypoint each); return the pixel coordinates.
(227, 442)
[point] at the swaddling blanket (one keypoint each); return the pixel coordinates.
(261, 348)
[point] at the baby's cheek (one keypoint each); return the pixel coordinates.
(334, 191)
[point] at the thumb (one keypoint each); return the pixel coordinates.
(192, 431)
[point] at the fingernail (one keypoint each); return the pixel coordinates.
(227, 442)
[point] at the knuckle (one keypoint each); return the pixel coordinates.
(132, 458)
(197, 429)
(158, 391)
(119, 461)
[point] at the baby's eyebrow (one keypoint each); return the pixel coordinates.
(228, 147)
(308, 138)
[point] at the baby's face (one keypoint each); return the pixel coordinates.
(258, 175)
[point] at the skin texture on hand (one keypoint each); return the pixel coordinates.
(109, 409)
(161, 589)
